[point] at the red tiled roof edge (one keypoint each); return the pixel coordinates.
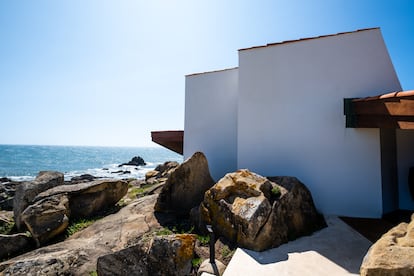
(214, 71)
(397, 94)
(307, 38)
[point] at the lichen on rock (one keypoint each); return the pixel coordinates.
(392, 254)
(242, 208)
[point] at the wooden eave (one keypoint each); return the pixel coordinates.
(392, 110)
(170, 139)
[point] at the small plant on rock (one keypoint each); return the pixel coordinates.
(6, 228)
(276, 192)
(227, 252)
(163, 232)
(204, 240)
(78, 225)
(196, 262)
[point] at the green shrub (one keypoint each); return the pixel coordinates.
(226, 251)
(196, 262)
(5, 229)
(204, 240)
(78, 225)
(163, 232)
(134, 192)
(276, 192)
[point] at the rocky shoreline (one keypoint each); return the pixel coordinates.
(38, 214)
(157, 226)
(151, 226)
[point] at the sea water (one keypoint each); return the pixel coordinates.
(23, 162)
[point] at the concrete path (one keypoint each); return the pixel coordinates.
(335, 250)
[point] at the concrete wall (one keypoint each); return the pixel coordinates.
(291, 122)
(211, 119)
(405, 156)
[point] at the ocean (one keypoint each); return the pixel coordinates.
(23, 162)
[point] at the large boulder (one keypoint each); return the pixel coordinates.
(165, 255)
(392, 254)
(78, 254)
(47, 218)
(49, 213)
(128, 261)
(257, 213)
(13, 244)
(185, 186)
(171, 255)
(27, 191)
(86, 199)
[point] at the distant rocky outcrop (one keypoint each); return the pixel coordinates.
(392, 254)
(27, 191)
(257, 213)
(83, 178)
(4, 179)
(161, 172)
(135, 161)
(185, 186)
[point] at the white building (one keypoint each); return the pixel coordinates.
(281, 112)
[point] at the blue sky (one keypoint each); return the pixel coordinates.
(86, 72)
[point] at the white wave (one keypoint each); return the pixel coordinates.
(21, 178)
(114, 171)
(109, 171)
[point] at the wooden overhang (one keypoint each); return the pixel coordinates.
(393, 110)
(170, 139)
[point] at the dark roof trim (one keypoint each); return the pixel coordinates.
(170, 139)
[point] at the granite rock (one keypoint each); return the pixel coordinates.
(392, 254)
(185, 186)
(27, 191)
(259, 214)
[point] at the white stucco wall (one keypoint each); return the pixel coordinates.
(291, 122)
(405, 157)
(211, 119)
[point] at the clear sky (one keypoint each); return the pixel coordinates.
(97, 72)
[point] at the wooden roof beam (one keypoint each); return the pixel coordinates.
(170, 139)
(393, 110)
